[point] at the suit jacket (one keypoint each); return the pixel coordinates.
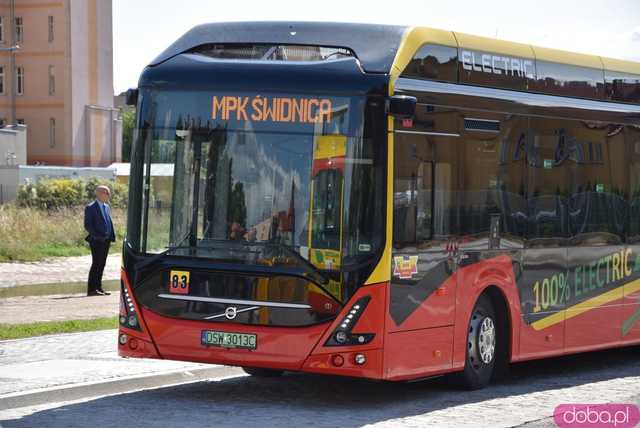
(96, 225)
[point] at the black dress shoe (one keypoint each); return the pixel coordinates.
(93, 293)
(104, 293)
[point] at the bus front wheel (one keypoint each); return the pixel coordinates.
(259, 372)
(482, 344)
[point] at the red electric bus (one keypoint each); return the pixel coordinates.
(378, 201)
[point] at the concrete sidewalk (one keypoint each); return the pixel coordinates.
(54, 270)
(29, 365)
(23, 310)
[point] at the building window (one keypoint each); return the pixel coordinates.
(19, 30)
(52, 132)
(52, 80)
(20, 81)
(1, 29)
(50, 28)
(1, 80)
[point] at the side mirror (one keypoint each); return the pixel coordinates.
(402, 106)
(131, 97)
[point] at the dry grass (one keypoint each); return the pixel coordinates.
(29, 234)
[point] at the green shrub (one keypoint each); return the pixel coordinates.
(59, 193)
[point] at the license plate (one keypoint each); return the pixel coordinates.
(224, 339)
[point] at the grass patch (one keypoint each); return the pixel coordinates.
(31, 234)
(20, 331)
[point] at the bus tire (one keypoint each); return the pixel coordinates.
(481, 345)
(260, 372)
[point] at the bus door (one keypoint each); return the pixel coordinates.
(598, 268)
(631, 313)
(544, 283)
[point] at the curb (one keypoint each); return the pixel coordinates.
(114, 331)
(119, 386)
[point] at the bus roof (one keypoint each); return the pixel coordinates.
(375, 57)
(468, 59)
(427, 53)
(391, 44)
(415, 37)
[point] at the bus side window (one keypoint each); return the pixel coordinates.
(548, 183)
(632, 143)
(413, 192)
(490, 194)
(597, 206)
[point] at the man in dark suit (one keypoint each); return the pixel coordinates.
(97, 222)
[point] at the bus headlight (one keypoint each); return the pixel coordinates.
(128, 317)
(342, 335)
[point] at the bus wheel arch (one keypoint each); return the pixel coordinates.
(488, 340)
(504, 331)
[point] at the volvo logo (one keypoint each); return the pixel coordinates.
(231, 312)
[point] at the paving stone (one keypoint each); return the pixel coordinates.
(54, 270)
(22, 310)
(66, 359)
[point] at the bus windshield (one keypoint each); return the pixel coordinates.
(228, 176)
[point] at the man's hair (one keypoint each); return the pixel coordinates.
(103, 188)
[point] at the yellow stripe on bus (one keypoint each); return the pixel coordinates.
(412, 39)
(382, 272)
(582, 307)
(416, 37)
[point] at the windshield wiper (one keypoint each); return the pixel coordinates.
(168, 249)
(318, 276)
(221, 243)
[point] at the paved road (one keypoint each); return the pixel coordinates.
(67, 359)
(59, 269)
(527, 398)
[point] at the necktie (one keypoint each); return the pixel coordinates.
(105, 212)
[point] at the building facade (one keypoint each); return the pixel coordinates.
(56, 77)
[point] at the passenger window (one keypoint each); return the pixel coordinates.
(622, 86)
(597, 206)
(568, 80)
(492, 191)
(413, 191)
(549, 175)
(632, 143)
(465, 184)
(495, 181)
(434, 62)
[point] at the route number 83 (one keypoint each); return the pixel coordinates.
(179, 282)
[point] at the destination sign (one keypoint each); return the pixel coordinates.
(272, 109)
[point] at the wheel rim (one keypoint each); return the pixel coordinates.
(487, 340)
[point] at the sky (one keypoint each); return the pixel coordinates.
(142, 29)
